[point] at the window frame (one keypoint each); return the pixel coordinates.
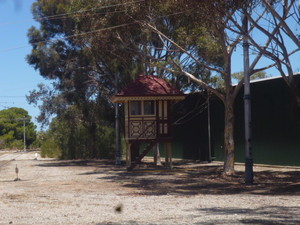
(152, 108)
(142, 108)
(139, 108)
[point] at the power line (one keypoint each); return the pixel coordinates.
(60, 16)
(14, 48)
(70, 36)
(86, 10)
(83, 33)
(64, 15)
(12, 96)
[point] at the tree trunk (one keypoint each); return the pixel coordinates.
(229, 137)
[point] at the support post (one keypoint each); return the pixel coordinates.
(168, 149)
(118, 138)
(247, 107)
(156, 155)
(117, 127)
(170, 155)
(128, 155)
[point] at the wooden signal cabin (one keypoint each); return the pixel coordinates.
(148, 117)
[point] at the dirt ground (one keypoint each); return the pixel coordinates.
(97, 192)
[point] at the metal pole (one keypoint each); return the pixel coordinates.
(117, 121)
(118, 144)
(208, 127)
(24, 133)
(247, 108)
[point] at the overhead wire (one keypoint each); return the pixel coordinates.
(81, 34)
(86, 10)
(64, 15)
(192, 114)
(4, 96)
(69, 36)
(59, 16)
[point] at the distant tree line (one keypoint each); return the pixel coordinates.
(12, 129)
(70, 137)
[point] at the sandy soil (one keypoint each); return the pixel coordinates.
(97, 192)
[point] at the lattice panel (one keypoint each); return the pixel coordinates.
(135, 129)
(142, 129)
(150, 130)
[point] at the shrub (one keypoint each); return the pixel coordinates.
(50, 148)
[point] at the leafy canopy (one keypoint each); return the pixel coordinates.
(12, 128)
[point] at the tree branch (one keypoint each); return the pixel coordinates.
(182, 49)
(289, 32)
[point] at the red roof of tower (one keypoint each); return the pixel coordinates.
(149, 85)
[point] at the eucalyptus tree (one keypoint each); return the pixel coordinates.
(173, 38)
(206, 41)
(214, 28)
(238, 76)
(66, 50)
(81, 46)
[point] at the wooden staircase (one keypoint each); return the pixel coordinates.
(142, 155)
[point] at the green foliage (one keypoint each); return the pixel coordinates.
(50, 148)
(69, 137)
(258, 75)
(12, 128)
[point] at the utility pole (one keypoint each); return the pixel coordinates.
(247, 107)
(117, 127)
(24, 132)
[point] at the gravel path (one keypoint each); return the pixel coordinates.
(81, 192)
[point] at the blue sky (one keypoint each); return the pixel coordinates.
(17, 77)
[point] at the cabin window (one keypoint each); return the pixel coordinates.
(135, 108)
(142, 108)
(149, 108)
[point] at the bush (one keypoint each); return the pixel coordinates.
(106, 142)
(50, 148)
(17, 144)
(68, 140)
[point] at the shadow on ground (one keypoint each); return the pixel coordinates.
(272, 215)
(187, 178)
(269, 215)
